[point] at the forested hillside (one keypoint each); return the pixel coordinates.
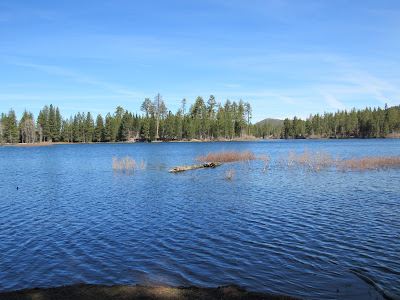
(202, 120)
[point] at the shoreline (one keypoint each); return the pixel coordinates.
(48, 144)
(102, 292)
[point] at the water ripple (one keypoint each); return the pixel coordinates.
(312, 235)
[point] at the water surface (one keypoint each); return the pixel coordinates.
(313, 235)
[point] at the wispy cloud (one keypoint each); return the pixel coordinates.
(333, 102)
(78, 77)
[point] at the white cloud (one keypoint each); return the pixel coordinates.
(80, 78)
(333, 102)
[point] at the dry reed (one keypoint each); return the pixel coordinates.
(143, 164)
(266, 159)
(227, 156)
(319, 160)
(309, 160)
(370, 163)
(314, 161)
(127, 164)
(230, 174)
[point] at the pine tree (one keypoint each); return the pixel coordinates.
(27, 128)
(99, 129)
(145, 130)
(10, 127)
(58, 125)
(43, 124)
(88, 128)
(108, 128)
(52, 124)
(178, 125)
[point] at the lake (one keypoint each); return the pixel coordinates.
(316, 235)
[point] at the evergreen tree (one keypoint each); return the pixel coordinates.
(58, 125)
(88, 128)
(229, 121)
(27, 128)
(43, 124)
(248, 112)
(145, 129)
(10, 127)
(108, 128)
(125, 127)
(99, 135)
(51, 124)
(2, 119)
(178, 125)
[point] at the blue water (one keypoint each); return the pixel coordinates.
(315, 235)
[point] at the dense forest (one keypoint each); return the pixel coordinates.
(367, 123)
(202, 120)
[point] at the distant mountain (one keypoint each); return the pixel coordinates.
(272, 122)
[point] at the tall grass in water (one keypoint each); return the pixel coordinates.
(266, 159)
(320, 160)
(127, 164)
(227, 156)
(370, 163)
(309, 160)
(314, 161)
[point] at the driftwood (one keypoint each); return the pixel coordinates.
(188, 168)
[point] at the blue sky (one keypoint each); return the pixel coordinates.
(287, 58)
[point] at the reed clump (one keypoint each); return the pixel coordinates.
(320, 160)
(228, 156)
(314, 161)
(127, 164)
(370, 163)
(266, 159)
(309, 160)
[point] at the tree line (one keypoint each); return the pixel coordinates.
(366, 123)
(204, 120)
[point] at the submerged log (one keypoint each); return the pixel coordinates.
(188, 168)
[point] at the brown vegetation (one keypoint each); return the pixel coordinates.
(266, 159)
(370, 163)
(230, 174)
(320, 160)
(128, 164)
(228, 156)
(313, 161)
